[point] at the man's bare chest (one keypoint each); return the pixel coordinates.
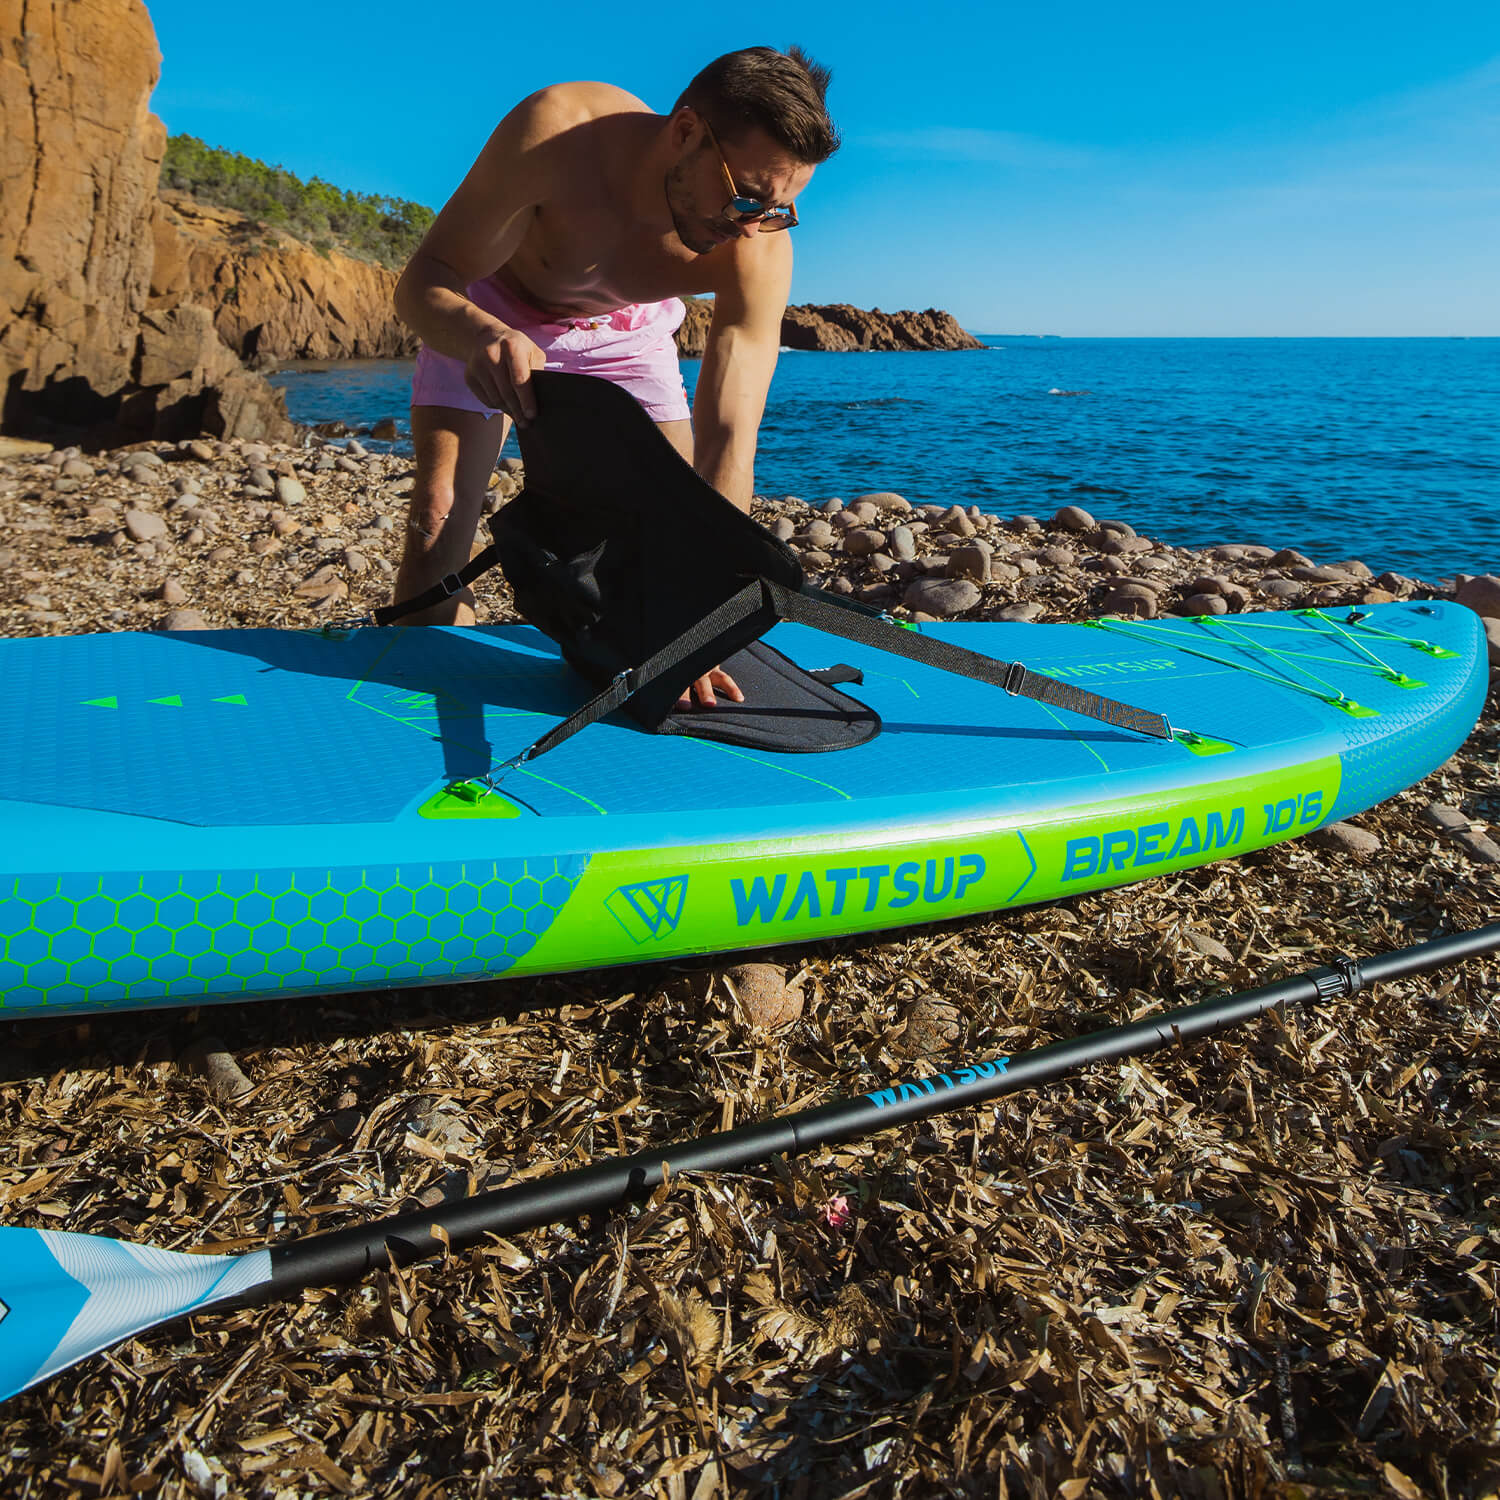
(574, 261)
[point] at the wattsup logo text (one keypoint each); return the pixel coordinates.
(809, 895)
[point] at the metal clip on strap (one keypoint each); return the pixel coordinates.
(1015, 678)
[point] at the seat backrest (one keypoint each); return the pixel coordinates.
(616, 546)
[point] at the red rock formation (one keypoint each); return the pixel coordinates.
(693, 335)
(273, 297)
(839, 328)
(82, 355)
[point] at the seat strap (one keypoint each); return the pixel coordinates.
(869, 627)
(445, 588)
(750, 599)
(842, 617)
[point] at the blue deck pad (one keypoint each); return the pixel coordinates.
(260, 728)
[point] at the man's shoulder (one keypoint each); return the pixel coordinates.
(563, 106)
(749, 274)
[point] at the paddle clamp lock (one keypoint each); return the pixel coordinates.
(1340, 980)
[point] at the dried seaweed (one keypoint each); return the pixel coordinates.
(1268, 1264)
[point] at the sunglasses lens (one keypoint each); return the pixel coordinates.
(747, 211)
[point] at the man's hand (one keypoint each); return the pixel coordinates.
(499, 373)
(702, 691)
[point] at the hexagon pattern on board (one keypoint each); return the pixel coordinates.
(92, 940)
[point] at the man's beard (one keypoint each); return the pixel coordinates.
(690, 229)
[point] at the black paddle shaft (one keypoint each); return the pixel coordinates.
(346, 1254)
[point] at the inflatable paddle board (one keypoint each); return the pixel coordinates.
(229, 815)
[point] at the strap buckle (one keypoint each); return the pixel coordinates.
(1015, 678)
(451, 584)
(491, 779)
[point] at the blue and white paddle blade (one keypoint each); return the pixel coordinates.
(66, 1296)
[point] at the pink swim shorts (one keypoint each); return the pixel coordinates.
(632, 346)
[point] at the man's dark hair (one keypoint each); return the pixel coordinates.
(781, 93)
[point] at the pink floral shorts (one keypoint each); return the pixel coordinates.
(632, 346)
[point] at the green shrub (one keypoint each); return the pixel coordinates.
(367, 225)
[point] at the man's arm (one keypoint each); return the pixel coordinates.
(739, 360)
(479, 229)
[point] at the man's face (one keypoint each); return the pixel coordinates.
(697, 194)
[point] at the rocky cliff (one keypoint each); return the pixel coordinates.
(273, 297)
(86, 352)
(839, 328)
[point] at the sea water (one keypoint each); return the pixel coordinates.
(1383, 449)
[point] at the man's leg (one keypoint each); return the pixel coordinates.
(456, 453)
(680, 435)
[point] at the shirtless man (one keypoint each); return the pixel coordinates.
(567, 246)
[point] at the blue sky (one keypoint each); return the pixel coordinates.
(1078, 169)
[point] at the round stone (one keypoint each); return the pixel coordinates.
(886, 500)
(1073, 518)
(1130, 599)
(933, 1026)
(972, 560)
(765, 999)
(1347, 837)
(942, 598)
(1203, 604)
(1282, 588)
(956, 520)
(864, 542)
(290, 491)
(184, 619)
(1482, 595)
(144, 526)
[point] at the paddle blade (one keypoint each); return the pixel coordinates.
(66, 1296)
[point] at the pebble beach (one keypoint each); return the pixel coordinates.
(206, 534)
(1268, 1264)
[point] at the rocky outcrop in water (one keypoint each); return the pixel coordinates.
(86, 352)
(839, 328)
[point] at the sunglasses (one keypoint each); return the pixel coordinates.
(742, 210)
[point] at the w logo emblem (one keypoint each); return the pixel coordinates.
(651, 909)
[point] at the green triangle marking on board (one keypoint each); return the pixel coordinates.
(101, 702)
(234, 698)
(171, 701)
